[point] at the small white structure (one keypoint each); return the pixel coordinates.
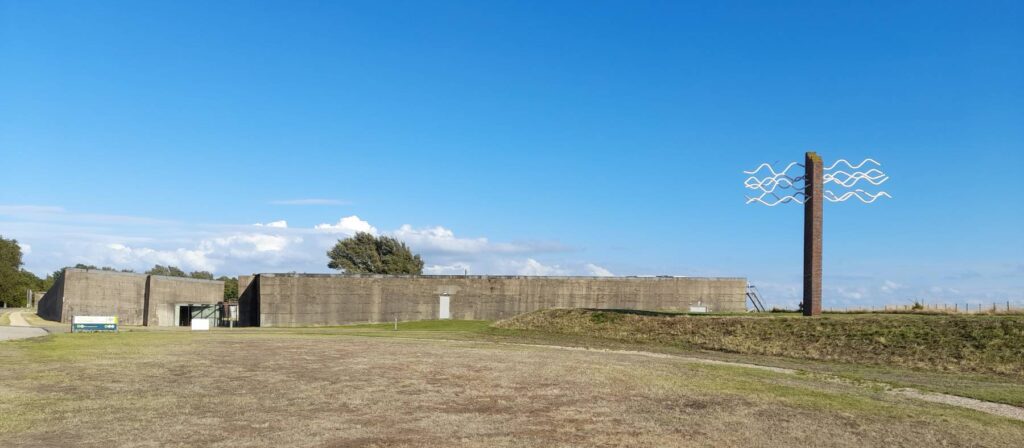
(200, 324)
(445, 308)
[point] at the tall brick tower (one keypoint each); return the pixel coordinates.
(778, 187)
(814, 191)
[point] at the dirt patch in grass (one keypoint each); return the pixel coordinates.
(268, 389)
(982, 344)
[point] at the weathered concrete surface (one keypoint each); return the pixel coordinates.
(136, 299)
(51, 306)
(163, 293)
(36, 297)
(89, 292)
(317, 299)
(248, 301)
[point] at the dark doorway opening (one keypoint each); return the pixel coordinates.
(184, 316)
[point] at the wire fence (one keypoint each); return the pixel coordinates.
(1005, 307)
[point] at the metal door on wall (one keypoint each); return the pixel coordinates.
(445, 311)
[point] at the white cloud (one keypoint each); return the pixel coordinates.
(890, 286)
(348, 225)
(439, 239)
(597, 271)
(122, 255)
(282, 224)
(208, 255)
(850, 293)
(433, 240)
(310, 201)
(451, 269)
(534, 267)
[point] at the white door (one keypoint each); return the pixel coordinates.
(445, 310)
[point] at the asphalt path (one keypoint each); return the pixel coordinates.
(19, 329)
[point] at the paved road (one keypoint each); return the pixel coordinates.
(18, 321)
(19, 329)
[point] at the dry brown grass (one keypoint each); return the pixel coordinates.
(951, 343)
(228, 389)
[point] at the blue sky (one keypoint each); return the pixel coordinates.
(544, 138)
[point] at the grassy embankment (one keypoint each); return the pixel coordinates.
(976, 356)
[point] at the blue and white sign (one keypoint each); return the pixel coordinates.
(83, 324)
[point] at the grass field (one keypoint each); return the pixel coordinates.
(435, 384)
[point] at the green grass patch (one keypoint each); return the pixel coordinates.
(5, 318)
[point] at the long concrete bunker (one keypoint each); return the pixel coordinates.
(324, 299)
(136, 299)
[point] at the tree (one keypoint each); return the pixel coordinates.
(230, 287)
(364, 253)
(13, 280)
(202, 275)
(50, 279)
(169, 271)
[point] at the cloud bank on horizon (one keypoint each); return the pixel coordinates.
(54, 237)
(63, 238)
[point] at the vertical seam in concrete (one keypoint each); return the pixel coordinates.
(145, 301)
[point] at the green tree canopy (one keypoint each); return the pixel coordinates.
(364, 253)
(14, 281)
(169, 271)
(10, 271)
(204, 275)
(230, 287)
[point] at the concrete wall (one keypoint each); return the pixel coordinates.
(51, 306)
(164, 293)
(311, 299)
(36, 297)
(86, 292)
(248, 301)
(136, 299)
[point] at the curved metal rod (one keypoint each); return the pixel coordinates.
(853, 167)
(873, 176)
(772, 170)
(769, 184)
(831, 197)
(778, 199)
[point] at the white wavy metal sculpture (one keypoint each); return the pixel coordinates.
(867, 198)
(774, 199)
(767, 184)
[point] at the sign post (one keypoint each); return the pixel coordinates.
(94, 324)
